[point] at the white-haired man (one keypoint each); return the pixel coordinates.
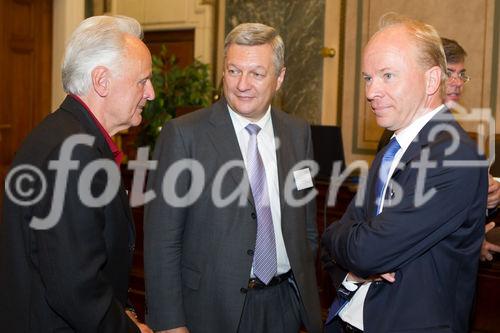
(65, 256)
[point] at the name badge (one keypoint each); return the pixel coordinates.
(303, 179)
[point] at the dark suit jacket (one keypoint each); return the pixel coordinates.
(433, 248)
(198, 258)
(386, 137)
(72, 277)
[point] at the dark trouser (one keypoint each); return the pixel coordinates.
(274, 309)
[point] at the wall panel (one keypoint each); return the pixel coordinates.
(301, 25)
(471, 23)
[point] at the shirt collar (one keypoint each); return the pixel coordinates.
(117, 154)
(241, 122)
(408, 134)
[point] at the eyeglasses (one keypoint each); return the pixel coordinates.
(462, 76)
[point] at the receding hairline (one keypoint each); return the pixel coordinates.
(392, 29)
(134, 43)
(424, 39)
(400, 27)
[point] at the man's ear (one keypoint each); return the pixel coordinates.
(281, 77)
(100, 80)
(433, 77)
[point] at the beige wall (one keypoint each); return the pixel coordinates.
(331, 77)
(153, 15)
(469, 22)
(175, 15)
(67, 15)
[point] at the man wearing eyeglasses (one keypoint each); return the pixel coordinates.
(457, 75)
(457, 78)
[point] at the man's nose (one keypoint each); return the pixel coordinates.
(243, 82)
(373, 89)
(149, 92)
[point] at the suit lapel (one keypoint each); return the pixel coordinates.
(283, 155)
(372, 180)
(225, 141)
(411, 153)
(78, 111)
(422, 139)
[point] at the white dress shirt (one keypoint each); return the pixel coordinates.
(267, 150)
(352, 313)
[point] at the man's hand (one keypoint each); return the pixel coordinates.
(389, 277)
(142, 327)
(176, 330)
(488, 248)
(493, 192)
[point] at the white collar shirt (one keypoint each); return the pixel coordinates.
(267, 148)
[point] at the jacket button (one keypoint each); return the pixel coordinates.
(243, 290)
(254, 216)
(250, 252)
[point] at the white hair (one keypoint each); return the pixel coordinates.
(97, 41)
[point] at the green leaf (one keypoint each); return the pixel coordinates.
(174, 87)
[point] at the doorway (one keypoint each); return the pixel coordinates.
(25, 69)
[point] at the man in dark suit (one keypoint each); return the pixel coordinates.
(406, 259)
(456, 79)
(67, 237)
(228, 246)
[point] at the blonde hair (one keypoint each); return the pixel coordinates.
(429, 45)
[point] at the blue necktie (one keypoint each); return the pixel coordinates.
(383, 172)
(264, 261)
(344, 295)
